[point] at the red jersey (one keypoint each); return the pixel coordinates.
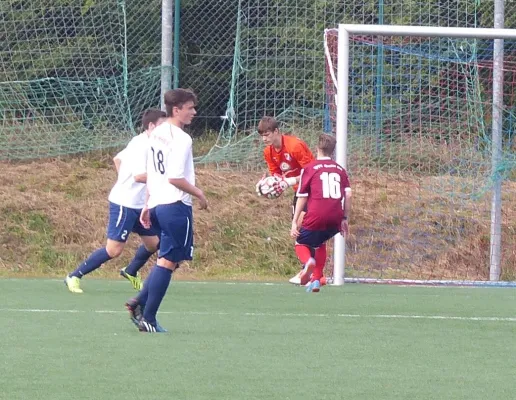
(324, 183)
(293, 156)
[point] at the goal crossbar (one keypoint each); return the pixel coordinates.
(428, 31)
(344, 32)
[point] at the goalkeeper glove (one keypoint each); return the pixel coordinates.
(284, 183)
(258, 192)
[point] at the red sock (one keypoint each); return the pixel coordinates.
(320, 261)
(303, 253)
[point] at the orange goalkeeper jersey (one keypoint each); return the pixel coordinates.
(290, 160)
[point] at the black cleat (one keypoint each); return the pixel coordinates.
(145, 326)
(135, 311)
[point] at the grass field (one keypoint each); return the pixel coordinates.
(258, 341)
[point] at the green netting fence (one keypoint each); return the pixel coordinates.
(76, 75)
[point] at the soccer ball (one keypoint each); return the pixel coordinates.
(266, 187)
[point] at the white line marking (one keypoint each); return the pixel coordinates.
(391, 283)
(260, 314)
(177, 281)
(39, 310)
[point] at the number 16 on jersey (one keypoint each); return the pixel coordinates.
(331, 185)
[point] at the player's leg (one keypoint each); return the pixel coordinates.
(320, 261)
(317, 273)
(296, 279)
(315, 241)
(305, 246)
(95, 260)
(176, 245)
(119, 226)
(305, 254)
(150, 243)
(315, 284)
(136, 305)
(316, 279)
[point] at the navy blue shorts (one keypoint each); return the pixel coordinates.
(176, 224)
(315, 239)
(123, 221)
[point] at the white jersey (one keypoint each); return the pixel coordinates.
(170, 157)
(127, 192)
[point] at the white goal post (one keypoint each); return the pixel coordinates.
(342, 100)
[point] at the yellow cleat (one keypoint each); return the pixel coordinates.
(73, 284)
(136, 281)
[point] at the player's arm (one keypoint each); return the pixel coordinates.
(176, 171)
(145, 214)
(117, 163)
(117, 160)
(344, 227)
(300, 206)
(141, 178)
(274, 169)
(347, 202)
(187, 187)
(301, 216)
(303, 156)
(302, 199)
(138, 156)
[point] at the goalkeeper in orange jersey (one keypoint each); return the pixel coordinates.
(285, 156)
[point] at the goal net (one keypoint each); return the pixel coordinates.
(419, 151)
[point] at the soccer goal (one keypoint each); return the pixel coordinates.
(423, 119)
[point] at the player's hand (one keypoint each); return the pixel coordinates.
(203, 203)
(294, 230)
(145, 218)
(281, 185)
(344, 227)
(258, 184)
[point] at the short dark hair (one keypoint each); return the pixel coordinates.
(177, 98)
(327, 144)
(267, 124)
(152, 115)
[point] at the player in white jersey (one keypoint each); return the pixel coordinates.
(126, 200)
(170, 185)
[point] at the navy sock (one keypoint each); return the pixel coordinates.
(144, 293)
(158, 285)
(95, 260)
(140, 258)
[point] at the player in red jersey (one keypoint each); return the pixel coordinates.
(323, 187)
(285, 156)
